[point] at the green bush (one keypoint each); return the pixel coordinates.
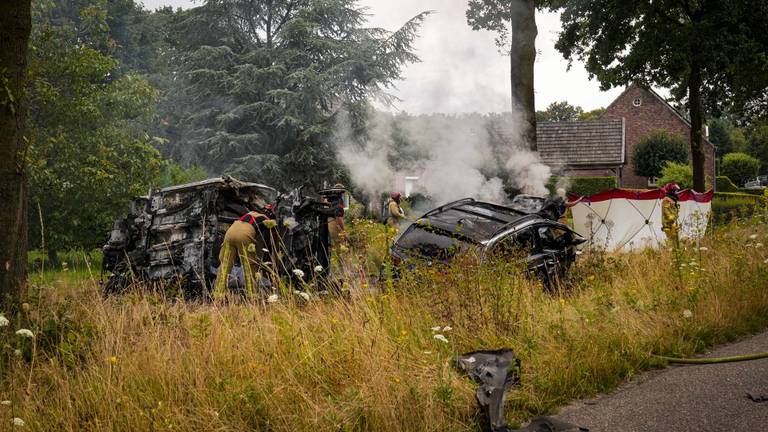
(740, 167)
(727, 206)
(582, 185)
(758, 192)
(682, 174)
(655, 150)
(724, 184)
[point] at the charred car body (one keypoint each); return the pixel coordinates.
(175, 233)
(548, 247)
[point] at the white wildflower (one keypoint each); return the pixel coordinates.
(18, 422)
(704, 248)
(447, 328)
(4, 321)
(436, 329)
(687, 313)
(17, 352)
(441, 338)
(753, 236)
(5, 402)
(578, 252)
(25, 333)
(299, 274)
(318, 268)
(302, 294)
(272, 299)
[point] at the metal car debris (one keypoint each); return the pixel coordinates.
(549, 248)
(174, 234)
(496, 372)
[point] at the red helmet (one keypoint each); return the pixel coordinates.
(395, 195)
(670, 188)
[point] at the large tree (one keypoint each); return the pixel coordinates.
(514, 22)
(15, 26)
(88, 154)
(710, 53)
(267, 78)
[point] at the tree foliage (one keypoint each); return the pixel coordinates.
(655, 150)
(560, 111)
(720, 135)
(679, 173)
(757, 146)
(710, 54)
(739, 167)
(86, 160)
(266, 79)
(591, 115)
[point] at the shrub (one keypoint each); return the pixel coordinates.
(679, 173)
(724, 184)
(740, 167)
(657, 148)
(582, 185)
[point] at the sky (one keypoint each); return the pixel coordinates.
(461, 70)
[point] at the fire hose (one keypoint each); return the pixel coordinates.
(714, 360)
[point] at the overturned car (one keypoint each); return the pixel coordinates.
(548, 248)
(175, 234)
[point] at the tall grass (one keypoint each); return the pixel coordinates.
(371, 361)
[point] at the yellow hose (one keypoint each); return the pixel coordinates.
(715, 360)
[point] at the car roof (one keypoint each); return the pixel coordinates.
(476, 220)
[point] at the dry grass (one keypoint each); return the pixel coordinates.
(140, 362)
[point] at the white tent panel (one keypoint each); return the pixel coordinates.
(692, 219)
(620, 224)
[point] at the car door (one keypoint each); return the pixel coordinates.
(556, 249)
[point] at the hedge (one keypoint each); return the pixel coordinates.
(583, 185)
(729, 205)
(724, 184)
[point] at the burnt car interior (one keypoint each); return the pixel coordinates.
(174, 234)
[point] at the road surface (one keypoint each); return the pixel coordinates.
(685, 398)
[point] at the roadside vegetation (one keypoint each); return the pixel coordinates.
(378, 359)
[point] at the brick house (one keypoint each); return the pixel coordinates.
(606, 146)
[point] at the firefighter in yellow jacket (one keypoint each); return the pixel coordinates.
(669, 212)
(395, 213)
(246, 240)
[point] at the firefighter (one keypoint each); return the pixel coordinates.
(246, 240)
(336, 223)
(395, 213)
(669, 212)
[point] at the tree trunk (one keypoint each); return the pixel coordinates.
(697, 117)
(522, 55)
(15, 26)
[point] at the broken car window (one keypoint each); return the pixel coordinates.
(431, 242)
(521, 243)
(553, 238)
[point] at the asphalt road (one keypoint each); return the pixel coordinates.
(685, 398)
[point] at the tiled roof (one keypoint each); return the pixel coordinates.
(581, 143)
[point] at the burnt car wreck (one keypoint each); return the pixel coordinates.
(548, 248)
(175, 234)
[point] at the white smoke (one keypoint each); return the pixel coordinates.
(459, 156)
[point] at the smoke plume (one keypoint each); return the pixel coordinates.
(454, 156)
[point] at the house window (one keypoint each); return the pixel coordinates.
(637, 101)
(652, 181)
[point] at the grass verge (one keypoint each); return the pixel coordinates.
(371, 362)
